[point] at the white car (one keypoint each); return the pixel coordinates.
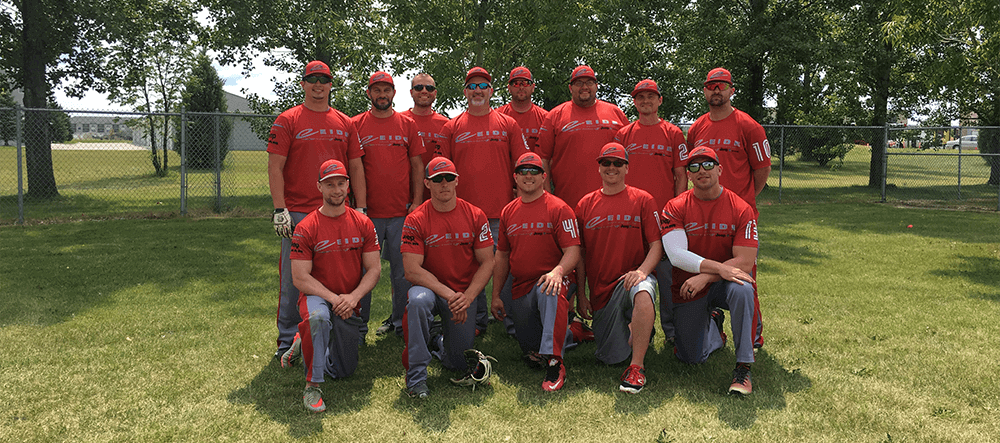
(968, 142)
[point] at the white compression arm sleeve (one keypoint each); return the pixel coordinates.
(675, 244)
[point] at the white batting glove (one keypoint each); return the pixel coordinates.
(282, 222)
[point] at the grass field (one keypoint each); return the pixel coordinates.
(111, 184)
(163, 330)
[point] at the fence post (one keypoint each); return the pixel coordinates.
(183, 161)
(20, 164)
(959, 131)
(781, 163)
(885, 159)
(218, 165)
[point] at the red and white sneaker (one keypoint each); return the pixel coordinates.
(293, 353)
(633, 379)
(555, 375)
(741, 380)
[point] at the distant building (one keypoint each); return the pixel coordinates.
(86, 126)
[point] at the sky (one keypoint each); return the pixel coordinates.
(260, 82)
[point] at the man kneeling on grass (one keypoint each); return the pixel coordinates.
(710, 235)
(335, 262)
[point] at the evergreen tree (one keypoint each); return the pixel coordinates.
(203, 94)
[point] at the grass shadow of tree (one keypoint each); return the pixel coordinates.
(277, 392)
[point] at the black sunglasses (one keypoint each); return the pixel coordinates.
(617, 163)
(473, 86)
(419, 88)
(322, 79)
(529, 171)
(707, 164)
(443, 177)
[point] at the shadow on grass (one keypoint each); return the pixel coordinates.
(70, 268)
(978, 270)
(277, 392)
(667, 378)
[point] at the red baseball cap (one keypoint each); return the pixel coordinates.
(317, 67)
(380, 77)
(719, 75)
(478, 72)
(613, 150)
(582, 71)
(438, 166)
(645, 85)
(528, 160)
(332, 168)
(703, 151)
(520, 72)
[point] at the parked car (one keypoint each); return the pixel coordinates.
(968, 142)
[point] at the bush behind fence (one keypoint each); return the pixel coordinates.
(111, 164)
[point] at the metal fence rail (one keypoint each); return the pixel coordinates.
(103, 164)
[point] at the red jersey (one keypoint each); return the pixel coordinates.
(653, 153)
(570, 140)
(335, 246)
(448, 241)
(617, 230)
(388, 144)
(307, 139)
(742, 147)
(429, 129)
(530, 122)
(484, 149)
(535, 234)
(712, 227)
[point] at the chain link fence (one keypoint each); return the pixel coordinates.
(96, 164)
(67, 165)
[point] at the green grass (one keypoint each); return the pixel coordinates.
(102, 184)
(97, 184)
(921, 180)
(163, 330)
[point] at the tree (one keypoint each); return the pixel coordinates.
(150, 77)
(347, 35)
(959, 46)
(59, 125)
(207, 135)
(447, 38)
(65, 42)
(8, 116)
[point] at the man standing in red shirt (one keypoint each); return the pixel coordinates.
(742, 146)
(395, 182)
(448, 257)
(423, 90)
(654, 146)
(710, 234)
(528, 115)
(484, 144)
(539, 245)
(573, 131)
(621, 247)
(334, 263)
(301, 139)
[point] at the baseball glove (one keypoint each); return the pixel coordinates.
(480, 370)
